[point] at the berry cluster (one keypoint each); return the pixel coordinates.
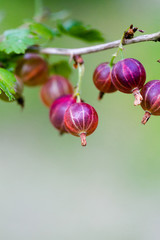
(68, 113)
(129, 76)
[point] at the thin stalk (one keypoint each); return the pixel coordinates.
(120, 49)
(79, 83)
(38, 9)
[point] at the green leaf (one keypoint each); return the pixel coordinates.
(17, 41)
(79, 30)
(61, 68)
(7, 83)
(9, 61)
(43, 31)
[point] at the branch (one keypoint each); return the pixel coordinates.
(97, 48)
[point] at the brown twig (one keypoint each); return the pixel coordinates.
(97, 48)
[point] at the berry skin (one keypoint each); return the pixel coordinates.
(55, 87)
(151, 99)
(57, 111)
(129, 76)
(32, 69)
(81, 120)
(102, 79)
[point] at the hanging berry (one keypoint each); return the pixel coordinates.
(32, 69)
(81, 120)
(57, 111)
(55, 87)
(102, 79)
(129, 76)
(151, 99)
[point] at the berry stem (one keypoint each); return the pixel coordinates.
(100, 96)
(120, 48)
(122, 56)
(20, 101)
(138, 97)
(146, 117)
(79, 83)
(83, 139)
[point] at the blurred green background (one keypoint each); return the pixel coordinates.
(51, 187)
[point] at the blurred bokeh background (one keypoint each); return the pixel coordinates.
(51, 187)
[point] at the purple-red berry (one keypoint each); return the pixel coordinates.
(102, 79)
(32, 69)
(81, 120)
(57, 111)
(129, 76)
(55, 87)
(151, 99)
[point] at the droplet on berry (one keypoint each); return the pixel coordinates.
(32, 69)
(55, 87)
(151, 99)
(129, 76)
(57, 111)
(81, 120)
(102, 79)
